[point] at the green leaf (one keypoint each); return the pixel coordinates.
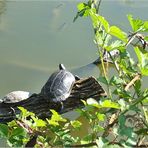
(142, 131)
(81, 6)
(18, 132)
(83, 10)
(55, 118)
(87, 139)
(92, 102)
(76, 124)
(117, 32)
(116, 81)
(126, 131)
(110, 104)
(146, 38)
(122, 104)
(122, 120)
(136, 24)
(103, 80)
(38, 122)
(102, 142)
(145, 26)
(25, 113)
(143, 60)
(3, 130)
(17, 136)
(101, 117)
(114, 45)
(104, 23)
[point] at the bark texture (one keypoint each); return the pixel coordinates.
(40, 105)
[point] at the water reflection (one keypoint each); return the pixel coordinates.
(2, 10)
(2, 6)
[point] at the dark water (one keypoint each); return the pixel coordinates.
(35, 36)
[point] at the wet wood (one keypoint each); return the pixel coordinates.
(40, 105)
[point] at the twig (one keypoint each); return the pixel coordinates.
(137, 77)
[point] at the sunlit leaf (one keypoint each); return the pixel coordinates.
(25, 113)
(55, 118)
(91, 101)
(110, 104)
(117, 32)
(145, 26)
(104, 22)
(146, 38)
(100, 116)
(81, 6)
(38, 122)
(83, 10)
(76, 124)
(136, 24)
(143, 60)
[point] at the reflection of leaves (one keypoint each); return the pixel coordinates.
(2, 6)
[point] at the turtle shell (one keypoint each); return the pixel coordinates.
(59, 85)
(15, 96)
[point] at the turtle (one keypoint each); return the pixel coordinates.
(106, 57)
(15, 96)
(59, 85)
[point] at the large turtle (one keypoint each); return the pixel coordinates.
(15, 96)
(59, 85)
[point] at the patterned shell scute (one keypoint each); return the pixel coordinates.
(59, 85)
(15, 96)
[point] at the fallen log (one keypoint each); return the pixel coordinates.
(40, 105)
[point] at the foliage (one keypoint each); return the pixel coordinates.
(121, 119)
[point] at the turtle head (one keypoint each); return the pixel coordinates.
(62, 67)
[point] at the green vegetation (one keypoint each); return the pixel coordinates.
(120, 119)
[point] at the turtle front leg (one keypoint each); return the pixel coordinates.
(77, 78)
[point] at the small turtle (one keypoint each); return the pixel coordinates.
(15, 96)
(59, 85)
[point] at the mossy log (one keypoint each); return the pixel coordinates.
(40, 105)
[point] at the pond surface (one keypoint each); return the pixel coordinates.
(35, 36)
